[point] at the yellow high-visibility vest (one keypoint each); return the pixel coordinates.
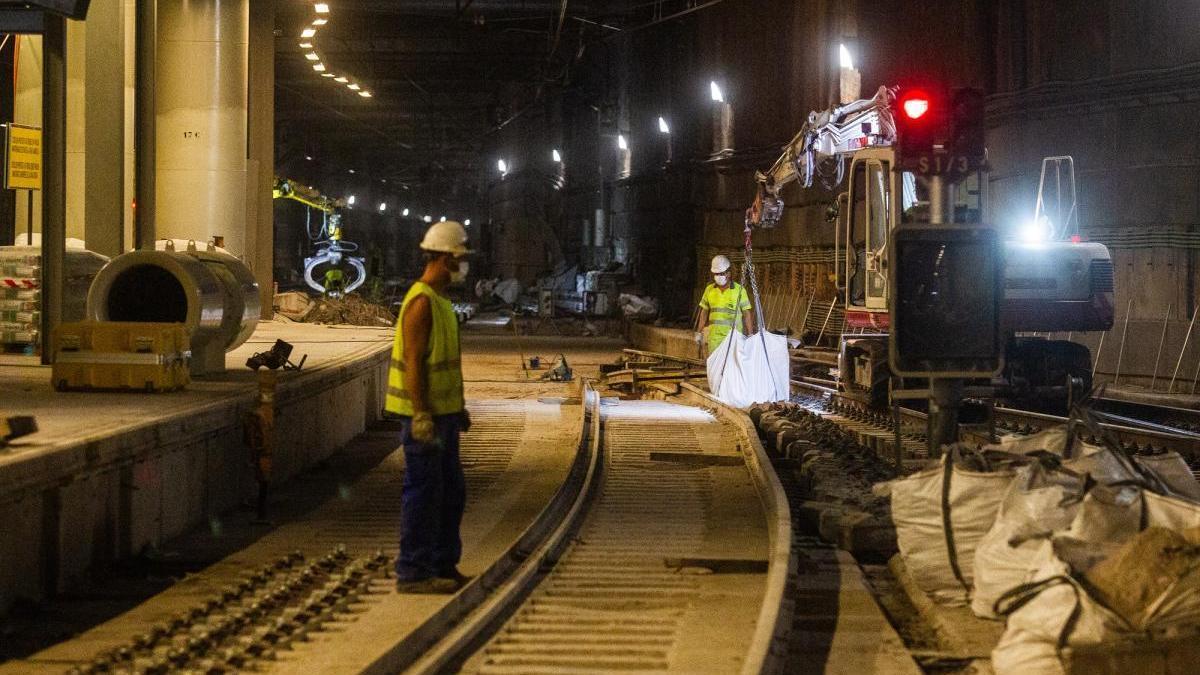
(443, 363)
(725, 309)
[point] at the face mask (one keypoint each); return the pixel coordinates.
(721, 279)
(460, 275)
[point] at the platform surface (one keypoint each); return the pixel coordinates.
(67, 417)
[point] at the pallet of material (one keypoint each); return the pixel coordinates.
(18, 305)
(18, 282)
(18, 337)
(23, 316)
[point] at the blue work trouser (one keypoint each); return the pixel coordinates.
(432, 501)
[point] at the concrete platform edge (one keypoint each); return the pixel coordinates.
(107, 496)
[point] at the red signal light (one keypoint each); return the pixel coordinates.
(915, 105)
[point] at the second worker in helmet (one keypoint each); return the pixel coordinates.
(724, 306)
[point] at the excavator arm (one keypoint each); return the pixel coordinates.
(332, 251)
(285, 188)
(819, 148)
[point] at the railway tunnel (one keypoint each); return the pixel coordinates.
(564, 336)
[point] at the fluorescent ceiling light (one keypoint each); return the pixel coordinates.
(305, 45)
(555, 156)
(714, 90)
(312, 56)
(321, 8)
(320, 22)
(308, 32)
(662, 125)
(622, 143)
(351, 199)
(353, 87)
(443, 219)
(502, 165)
(365, 94)
(467, 222)
(428, 219)
(404, 212)
(382, 207)
(326, 74)
(319, 67)
(343, 80)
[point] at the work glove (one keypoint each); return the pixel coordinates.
(422, 427)
(465, 422)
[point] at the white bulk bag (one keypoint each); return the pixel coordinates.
(748, 370)
(1055, 610)
(940, 515)
(1050, 612)
(1041, 502)
(1038, 503)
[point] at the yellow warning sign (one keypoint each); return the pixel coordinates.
(23, 161)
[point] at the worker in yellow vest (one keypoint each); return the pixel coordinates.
(724, 306)
(425, 390)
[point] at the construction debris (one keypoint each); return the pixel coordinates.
(350, 310)
(637, 369)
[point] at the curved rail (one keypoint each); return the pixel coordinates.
(767, 650)
(451, 631)
(507, 597)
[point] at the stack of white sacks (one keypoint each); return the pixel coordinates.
(1070, 543)
(20, 316)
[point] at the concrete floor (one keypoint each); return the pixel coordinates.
(120, 596)
(119, 599)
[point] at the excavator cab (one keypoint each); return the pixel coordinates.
(865, 227)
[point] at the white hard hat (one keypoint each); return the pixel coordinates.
(447, 236)
(720, 264)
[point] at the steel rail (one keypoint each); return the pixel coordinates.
(768, 648)
(1130, 432)
(451, 631)
(766, 652)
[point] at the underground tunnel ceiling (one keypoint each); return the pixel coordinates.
(441, 76)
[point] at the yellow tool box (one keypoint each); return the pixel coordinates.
(118, 355)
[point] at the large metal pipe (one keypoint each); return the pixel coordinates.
(211, 292)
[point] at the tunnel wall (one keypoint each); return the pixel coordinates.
(1115, 85)
(669, 209)
(1073, 77)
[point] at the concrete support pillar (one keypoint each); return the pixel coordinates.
(145, 124)
(260, 221)
(76, 129)
(201, 134)
(54, 177)
(104, 164)
(129, 123)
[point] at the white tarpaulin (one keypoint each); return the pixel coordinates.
(748, 370)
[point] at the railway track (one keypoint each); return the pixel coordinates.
(646, 554)
(1139, 434)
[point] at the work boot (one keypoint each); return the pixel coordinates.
(454, 575)
(427, 586)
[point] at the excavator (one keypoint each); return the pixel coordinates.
(332, 250)
(909, 156)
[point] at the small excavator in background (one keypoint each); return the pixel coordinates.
(913, 155)
(332, 250)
